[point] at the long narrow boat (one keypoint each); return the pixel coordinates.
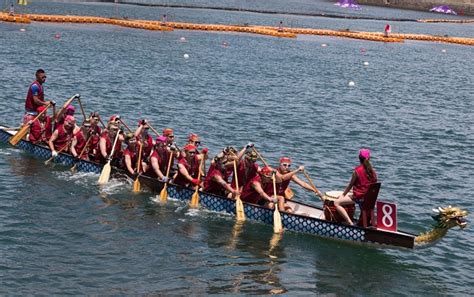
(306, 218)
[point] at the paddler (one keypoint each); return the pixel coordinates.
(217, 176)
(362, 177)
(106, 142)
(62, 114)
(246, 167)
(188, 168)
(193, 139)
(130, 154)
(62, 136)
(96, 131)
(142, 135)
(41, 129)
(35, 97)
(159, 160)
(259, 190)
(285, 165)
(79, 141)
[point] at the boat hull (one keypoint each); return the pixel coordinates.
(308, 221)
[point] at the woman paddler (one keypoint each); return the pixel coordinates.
(285, 165)
(159, 160)
(188, 168)
(362, 177)
(41, 128)
(106, 142)
(144, 137)
(246, 167)
(217, 176)
(79, 141)
(62, 136)
(130, 154)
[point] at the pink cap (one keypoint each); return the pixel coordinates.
(70, 107)
(161, 139)
(70, 119)
(364, 153)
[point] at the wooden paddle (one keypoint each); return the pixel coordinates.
(73, 168)
(239, 206)
(121, 121)
(195, 198)
(277, 226)
(153, 129)
(105, 174)
(24, 130)
(62, 149)
(136, 183)
(65, 105)
(317, 192)
(82, 108)
(164, 191)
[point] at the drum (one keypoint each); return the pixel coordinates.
(330, 211)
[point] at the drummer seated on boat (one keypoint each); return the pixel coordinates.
(41, 128)
(188, 168)
(259, 190)
(284, 168)
(79, 141)
(216, 179)
(362, 177)
(35, 97)
(106, 142)
(62, 136)
(159, 160)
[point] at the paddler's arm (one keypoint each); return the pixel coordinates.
(73, 147)
(185, 172)
(103, 147)
(139, 130)
(156, 168)
(349, 186)
(51, 142)
(218, 179)
(128, 164)
(258, 188)
(287, 176)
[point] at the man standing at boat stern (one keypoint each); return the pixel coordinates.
(35, 97)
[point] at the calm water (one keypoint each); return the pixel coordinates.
(412, 105)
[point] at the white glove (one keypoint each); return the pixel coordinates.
(54, 154)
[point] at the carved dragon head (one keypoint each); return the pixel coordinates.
(449, 217)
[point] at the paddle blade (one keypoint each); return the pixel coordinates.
(48, 161)
(239, 209)
(195, 200)
(19, 135)
(164, 194)
(277, 226)
(136, 185)
(289, 194)
(74, 168)
(105, 174)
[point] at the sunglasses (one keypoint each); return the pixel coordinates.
(192, 152)
(197, 142)
(286, 165)
(170, 136)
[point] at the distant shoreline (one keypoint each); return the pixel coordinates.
(462, 7)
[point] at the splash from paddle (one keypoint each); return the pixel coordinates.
(239, 206)
(24, 130)
(105, 174)
(164, 191)
(136, 183)
(195, 198)
(277, 225)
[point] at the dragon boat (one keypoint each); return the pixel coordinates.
(306, 218)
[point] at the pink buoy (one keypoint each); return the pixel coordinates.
(57, 36)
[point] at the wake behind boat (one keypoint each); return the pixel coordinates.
(305, 219)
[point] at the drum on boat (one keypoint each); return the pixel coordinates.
(330, 211)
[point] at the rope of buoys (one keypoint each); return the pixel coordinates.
(263, 30)
(14, 18)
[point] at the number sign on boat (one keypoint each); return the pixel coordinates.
(387, 216)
